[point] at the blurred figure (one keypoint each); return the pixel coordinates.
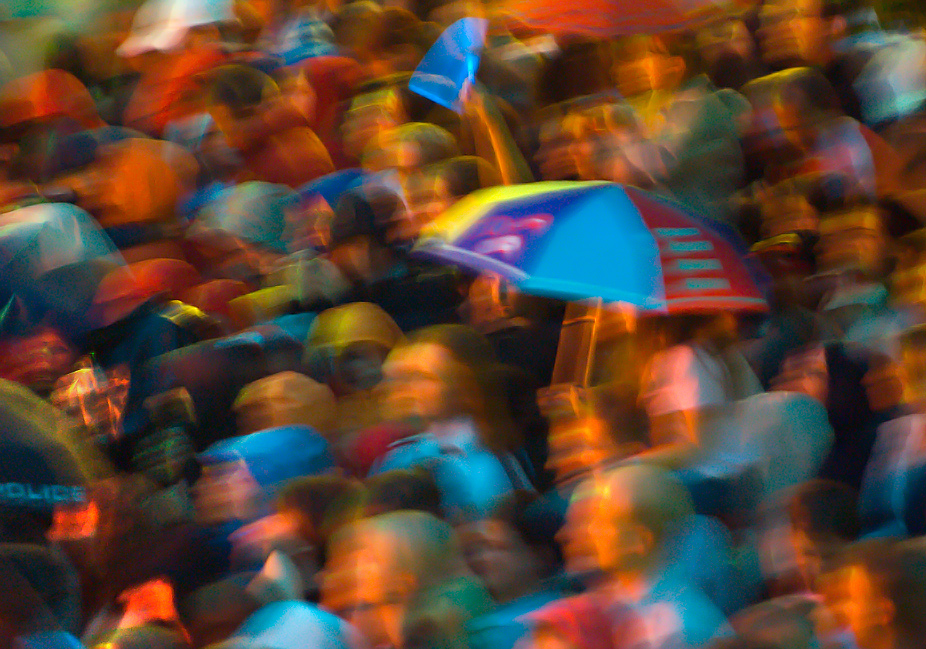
(284, 399)
(824, 522)
(36, 358)
(797, 128)
(688, 387)
(302, 31)
(729, 51)
(441, 382)
(617, 527)
(401, 490)
(268, 126)
(401, 580)
(688, 126)
(883, 591)
(242, 475)
(819, 33)
(853, 257)
(514, 552)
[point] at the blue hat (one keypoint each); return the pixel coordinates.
(276, 455)
(331, 186)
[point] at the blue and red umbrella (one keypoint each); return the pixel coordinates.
(580, 240)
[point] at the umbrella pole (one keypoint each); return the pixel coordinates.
(572, 370)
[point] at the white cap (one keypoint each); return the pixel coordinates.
(160, 25)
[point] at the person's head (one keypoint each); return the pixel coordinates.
(359, 233)
(319, 506)
(284, 399)
(824, 519)
(619, 520)
(171, 27)
(728, 50)
(40, 589)
(438, 187)
(512, 549)
(445, 372)
(578, 445)
(36, 358)
(373, 111)
(410, 148)
(913, 357)
(378, 567)
(789, 109)
(348, 344)
(402, 489)
(213, 612)
(884, 593)
(854, 240)
(135, 180)
(236, 93)
(651, 63)
(804, 32)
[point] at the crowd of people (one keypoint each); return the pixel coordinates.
(240, 409)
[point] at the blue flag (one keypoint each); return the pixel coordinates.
(450, 63)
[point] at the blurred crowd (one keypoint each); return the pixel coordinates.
(239, 410)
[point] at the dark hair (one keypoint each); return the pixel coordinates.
(364, 212)
(536, 520)
(403, 489)
(579, 69)
(824, 509)
(325, 503)
(465, 174)
(240, 88)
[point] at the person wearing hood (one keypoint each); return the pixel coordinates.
(269, 128)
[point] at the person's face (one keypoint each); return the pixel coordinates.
(37, 361)
(914, 370)
(576, 446)
(865, 609)
(498, 557)
(812, 557)
(360, 365)
(793, 33)
(359, 586)
(420, 385)
(726, 37)
(370, 118)
(554, 155)
(602, 535)
(645, 70)
(853, 241)
(427, 198)
(225, 492)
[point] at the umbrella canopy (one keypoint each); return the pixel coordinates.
(38, 239)
(47, 95)
(579, 240)
(54, 255)
(609, 18)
